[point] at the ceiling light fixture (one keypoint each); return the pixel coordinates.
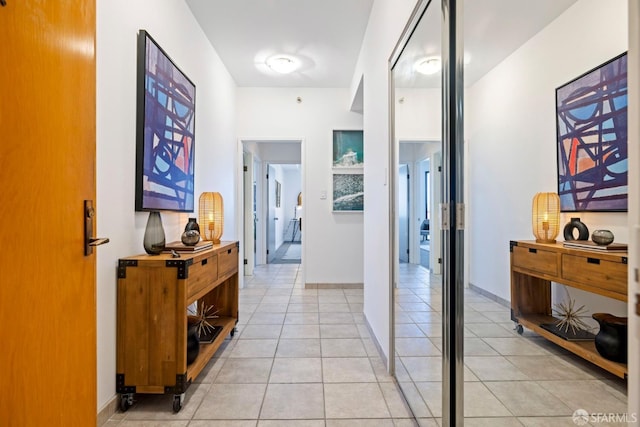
(430, 65)
(283, 64)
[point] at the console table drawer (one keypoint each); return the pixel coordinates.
(201, 274)
(608, 275)
(545, 262)
(228, 261)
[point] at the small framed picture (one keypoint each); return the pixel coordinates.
(348, 149)
(348, 192)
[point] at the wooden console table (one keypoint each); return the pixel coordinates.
(535, 265)
(153, 295)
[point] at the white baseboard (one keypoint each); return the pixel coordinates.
(334, 285)
(376, 343)
(108, 410)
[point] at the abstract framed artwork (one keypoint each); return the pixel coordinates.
(348, 149)
(165, 137)
(591, 117)
(348, 192)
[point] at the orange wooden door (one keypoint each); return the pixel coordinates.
(47, 169)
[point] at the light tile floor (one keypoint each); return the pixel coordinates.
(510, 380)
(305, 358)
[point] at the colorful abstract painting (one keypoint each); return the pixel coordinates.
(592, 139)
(348, 149)
(166, 126)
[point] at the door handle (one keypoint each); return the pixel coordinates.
(89, 240)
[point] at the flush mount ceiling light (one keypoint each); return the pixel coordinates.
(283, 64)
(430, 65)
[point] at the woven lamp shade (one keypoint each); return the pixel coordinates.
(210, 216)
(545, 215)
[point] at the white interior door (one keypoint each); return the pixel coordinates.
(249, 224)
(403, 212)
(271, 213)
(435, 244)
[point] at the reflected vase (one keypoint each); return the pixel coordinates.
(154, 240)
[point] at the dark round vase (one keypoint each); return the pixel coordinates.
(611, 341)
(193, 344)
(602, 237)
(575, 224)
(192, 225)
(190, 237)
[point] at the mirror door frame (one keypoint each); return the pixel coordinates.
(452, 207)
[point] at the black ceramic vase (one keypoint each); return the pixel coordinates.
(154, 234)
(192, 225)
(611, 341)
(193, 344)
(190, 237)
(575, 224)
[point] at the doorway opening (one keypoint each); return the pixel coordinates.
(272, 202)
(284, 214)
(418, 195)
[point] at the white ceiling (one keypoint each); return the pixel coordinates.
(493, 29)
(326, 36)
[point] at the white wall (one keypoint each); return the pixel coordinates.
(419, 115)
(171, 24)
(333, 243)
(386, 22)
(510, 127)
(280, 152)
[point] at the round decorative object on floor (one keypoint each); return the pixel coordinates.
(611, 341)
(602, 237)
(576, 224)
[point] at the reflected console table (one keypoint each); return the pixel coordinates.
(535, 265)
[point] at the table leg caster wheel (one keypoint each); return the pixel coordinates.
(233, 332)
(177, 402)
(126, 401)
(519, 329)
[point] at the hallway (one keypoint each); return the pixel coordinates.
(305, 358)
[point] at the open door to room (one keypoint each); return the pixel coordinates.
(284, 211)
(272, 202)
